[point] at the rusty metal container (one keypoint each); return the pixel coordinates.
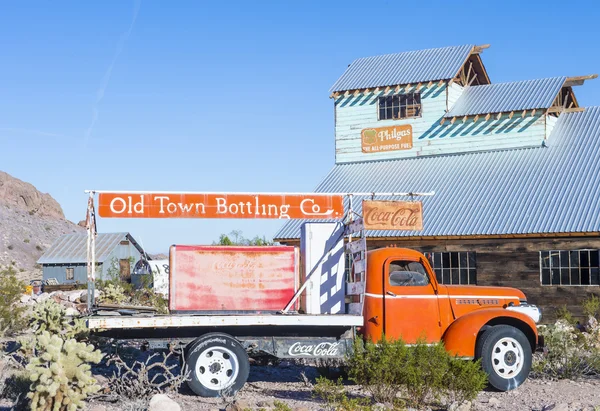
(234, 279)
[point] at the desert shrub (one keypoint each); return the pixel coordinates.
(335, 397)
(26, 241)
(12, 318)
(39, 248)
(10, 247)
(113, 293)
(420, 373)
(591, 306)
(281, 406)
(568, 353)
(563, 313)
(60, 373)
(50, 316)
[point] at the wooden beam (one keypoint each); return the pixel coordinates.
(347, 93)
(578, 80)
(397, 89)
(465, 119)
(418, 86)
(450, 82)
(387, 89)
(442, 121)
(479, 49)
(441, 83)
(524, 114)
(453, 120)
(487, 117)
(476, 118)
(407, 86)
(356, 93)
(560, 109)
(510, 115)
(367, 91)
(377, 90)
(472, 79)
(533, 112)
(430, 84)
(498, 116)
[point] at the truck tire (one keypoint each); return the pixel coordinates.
(505, 355)
(217, 365)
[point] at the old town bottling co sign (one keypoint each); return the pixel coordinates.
(210, 205)
(393, 215)
(377, 140)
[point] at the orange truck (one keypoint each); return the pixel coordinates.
(227, 305)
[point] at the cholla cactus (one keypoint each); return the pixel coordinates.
(60, 375)
(113, 294)
(51, 317)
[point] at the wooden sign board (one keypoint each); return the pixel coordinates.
(393, 215)
(382, 139)
(198, 205)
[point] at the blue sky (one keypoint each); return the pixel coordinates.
(230, 96)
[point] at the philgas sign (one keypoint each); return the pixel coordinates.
(382, 139)
(198, 205)
(393, 215)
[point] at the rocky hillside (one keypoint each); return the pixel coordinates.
(30, 221)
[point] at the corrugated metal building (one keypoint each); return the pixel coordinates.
(66, 259)
(515, 168)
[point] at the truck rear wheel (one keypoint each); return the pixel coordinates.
(217, 365)
(505, 355)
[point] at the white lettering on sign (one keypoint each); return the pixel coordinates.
(325, 349)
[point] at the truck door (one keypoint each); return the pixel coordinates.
(411, 308)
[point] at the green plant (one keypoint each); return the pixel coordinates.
(49, 316)
(563, 313)
(113, 293)
(568, 352)
(281, 406)
(60, 373)
(39, 248)
(26, 241)
(335, 397)
(591, 306)
(465, 380)
(10, 247)
(12, 317)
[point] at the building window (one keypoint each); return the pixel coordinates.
(70, 274)
(400, 106)
(574, 267)
(455, 267)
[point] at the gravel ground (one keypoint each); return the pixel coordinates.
(268, 384)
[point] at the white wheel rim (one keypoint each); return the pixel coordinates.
(507, 358)
(217, 368)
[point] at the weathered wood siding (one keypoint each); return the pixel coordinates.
(516, 263)
(355, 113)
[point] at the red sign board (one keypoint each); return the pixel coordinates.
(198, 205)
(218, 278)
(393, 215)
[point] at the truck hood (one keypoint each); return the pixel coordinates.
(464, 299)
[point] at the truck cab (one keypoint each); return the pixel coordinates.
(403, 300)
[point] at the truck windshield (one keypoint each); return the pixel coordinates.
(407, 273)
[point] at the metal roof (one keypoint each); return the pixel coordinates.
(551, 189)
(505, 97)
(403, 68)
(72, 248)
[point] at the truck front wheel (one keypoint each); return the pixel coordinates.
(217, 365)
(505, 355)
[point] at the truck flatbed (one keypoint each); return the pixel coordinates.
(100, 322)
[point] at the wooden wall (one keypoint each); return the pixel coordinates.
(516, 263)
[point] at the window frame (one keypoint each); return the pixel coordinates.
(471, 266)
(558, 256)
(72, 271)
(399, 105)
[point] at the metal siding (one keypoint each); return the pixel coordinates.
(355, 113)
(403, 68)
(72, 248)
(521, 191)
(60, 273)
(505, 97)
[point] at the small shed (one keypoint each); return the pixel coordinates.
(66, 259)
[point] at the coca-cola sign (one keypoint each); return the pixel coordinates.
(393, 215)
(324, 349)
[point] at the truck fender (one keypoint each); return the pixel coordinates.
(461, 336)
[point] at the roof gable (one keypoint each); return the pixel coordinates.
(506, 192)
(72, 248)
(506, 97)
(404, 68)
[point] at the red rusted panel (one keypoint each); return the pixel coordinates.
(215, 278)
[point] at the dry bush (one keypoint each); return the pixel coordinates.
(142, 379)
